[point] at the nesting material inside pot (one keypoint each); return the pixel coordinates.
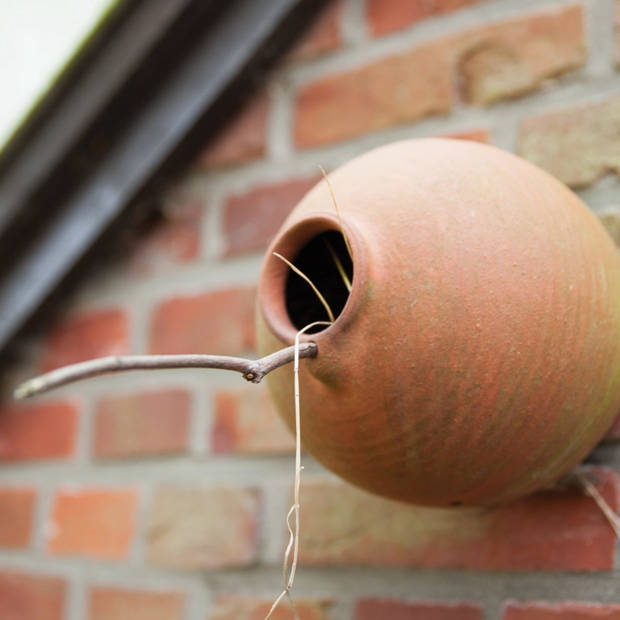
(318, 259)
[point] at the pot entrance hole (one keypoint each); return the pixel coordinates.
(316, 260)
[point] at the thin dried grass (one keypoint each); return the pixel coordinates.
(331, 191)
(593, 492)
(301, 274)
(293, 541)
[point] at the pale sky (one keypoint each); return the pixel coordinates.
(37, 37)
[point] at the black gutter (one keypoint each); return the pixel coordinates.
(190, 69)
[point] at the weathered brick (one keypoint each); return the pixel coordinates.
(378, 609)
(514, 57)
(492, 62)
(172, 240)
(217, 322)
(92, 522)
(323, 35)
(16, 515)
(29, 597)
(385, 16)
(243, 139)
(576, 144)
(194, 528)
(108, 603)
(247, 608)
(84, 336)
(561, 611)
(252, 219)
(561, 529)
(246, 422)
(142, 424)
(40, 430)
(394, 90)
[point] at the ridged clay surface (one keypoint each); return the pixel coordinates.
(478, 356)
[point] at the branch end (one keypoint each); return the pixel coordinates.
(27, 389)
(252, 376)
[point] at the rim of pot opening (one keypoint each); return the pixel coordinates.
(275, 274)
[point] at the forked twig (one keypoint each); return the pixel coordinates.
(252, 370)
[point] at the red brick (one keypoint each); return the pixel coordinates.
(385, 16)
(577, 144)
(378, 609)
(142, 424)
(39, 430)
(561, 529)
(251, 220)
(120, 604)
(196, 528)
(218, 322)
(394, 90)
(246, 422)
(92, 522)
(26, 597)
(175, 240)
(323, 35)
(82, 337)
(491, 62)
(243, 139)
(561, 611)
(16, 515)
(246, 608)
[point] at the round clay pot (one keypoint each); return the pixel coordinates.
(477, 357)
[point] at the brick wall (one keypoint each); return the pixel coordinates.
(162, 496)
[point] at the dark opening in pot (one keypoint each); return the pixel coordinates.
(318, 259)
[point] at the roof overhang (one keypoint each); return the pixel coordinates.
(153, 87)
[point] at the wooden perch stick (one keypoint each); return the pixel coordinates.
(252, 370)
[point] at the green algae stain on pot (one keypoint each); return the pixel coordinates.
(477, 357)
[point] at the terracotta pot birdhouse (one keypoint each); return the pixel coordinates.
(476, 357)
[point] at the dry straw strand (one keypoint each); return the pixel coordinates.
(301, 274)
(339, 266)
(331, 191)
(593, 492)
(293, 541)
